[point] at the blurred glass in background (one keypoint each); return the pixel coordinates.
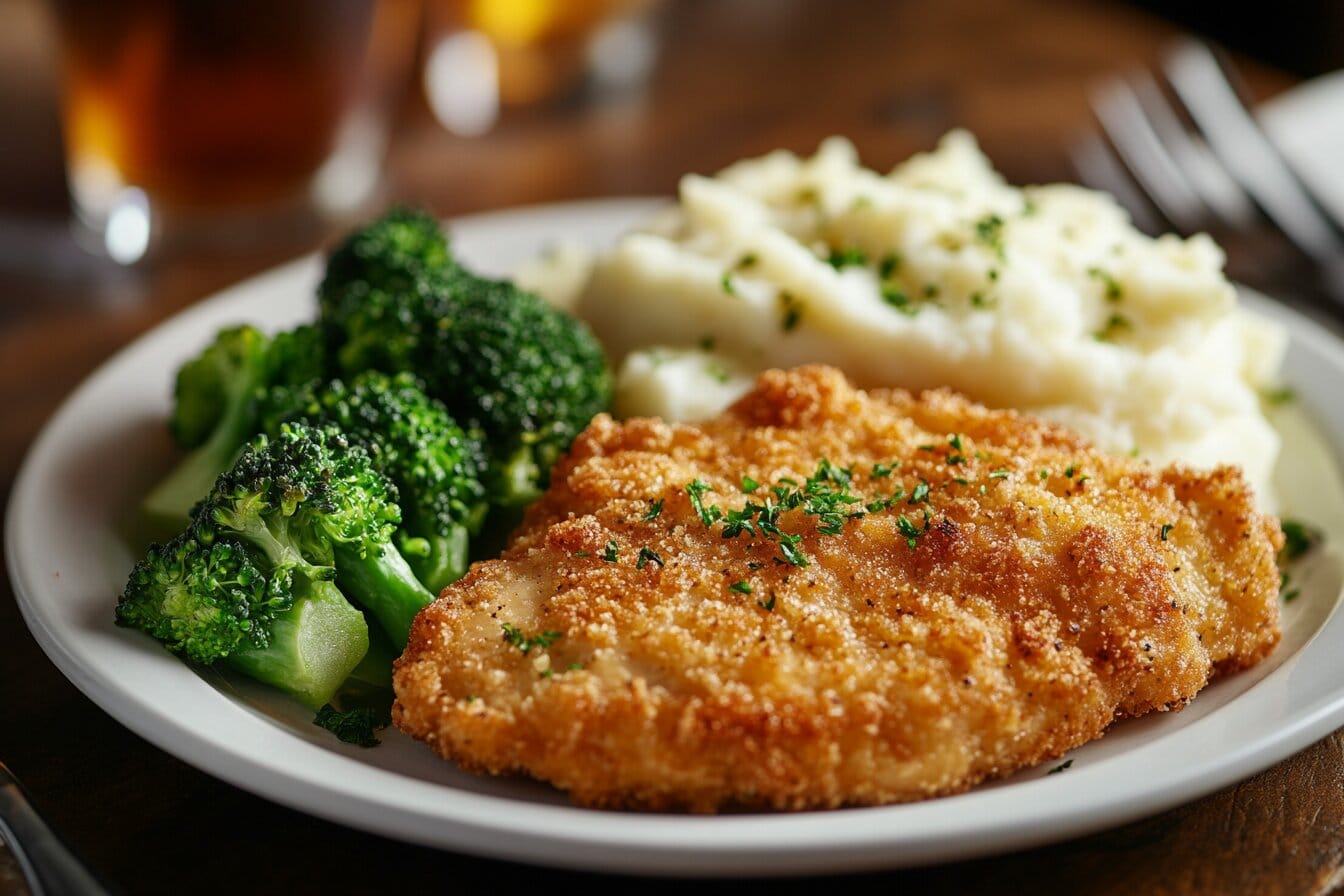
(225, 121)
(482, 56)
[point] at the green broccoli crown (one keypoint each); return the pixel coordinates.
(410, 438)
(503, 361)
(391, 252)
(526, 373)
(314, 505)
(204, 384)
(304, 490)
(296, 356)
(218, 396)
(205, 599)
(377, 290)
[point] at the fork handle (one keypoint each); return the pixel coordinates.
(48, 865)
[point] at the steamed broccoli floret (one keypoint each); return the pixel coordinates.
(216, 407)
(310, 497)
(203, 389)
(260, 578)
(211, 598)
(414, 442)
(368, 326)
(529, 375)
(500, 358)
(393, 252)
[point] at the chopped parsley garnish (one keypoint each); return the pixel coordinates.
(1282, 395)
(999, 474)
(1114, 292)
(706, 343)
(648, 555)
(1061, 767)
(1286, 592)
(741, 587)
(894, 296)
(655, 508)
(1166, 529)
(889, 265)
(989, 230)
(1298, 539)
(1069, 471)
(881, 471)
(515, 636)
(788, 546)
(747, 261)
(612, 553)
(910, 530)
(769, 605)
(1115, 324)
(353, 726)
(825, 497)
(842, 258)
(726, 282)
(582, 554)
(708, 515)
(930, 290)
(792, 311)
(717, 371)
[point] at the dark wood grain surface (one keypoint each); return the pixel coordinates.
(733, 79)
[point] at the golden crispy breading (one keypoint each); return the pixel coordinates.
(1009, 594)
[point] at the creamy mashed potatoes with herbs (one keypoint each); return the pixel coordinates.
(939, 273)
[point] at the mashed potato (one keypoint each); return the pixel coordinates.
(1044, 299)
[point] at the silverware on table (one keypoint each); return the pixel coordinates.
(1184, 152)
(48, 865)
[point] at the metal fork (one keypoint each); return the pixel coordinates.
(1202, 162)
(48, 866)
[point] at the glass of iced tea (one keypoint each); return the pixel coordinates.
(226, 120)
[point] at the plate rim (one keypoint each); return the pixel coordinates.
(852, 839)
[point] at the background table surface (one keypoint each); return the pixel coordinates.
(734, 79)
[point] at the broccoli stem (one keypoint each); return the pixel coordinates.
(379, 579)
(314, 646)
(444, 562)
(171, 501)
(514, 479)
(374, 672)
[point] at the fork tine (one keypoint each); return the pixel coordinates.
(1127, 127)
(1097, 165)
(1234, 136)
(1225, 198)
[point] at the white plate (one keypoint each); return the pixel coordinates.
(1307, 124)
(106, 444)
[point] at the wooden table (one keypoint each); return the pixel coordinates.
(734, 79)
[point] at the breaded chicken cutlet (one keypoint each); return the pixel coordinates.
(830, 597)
